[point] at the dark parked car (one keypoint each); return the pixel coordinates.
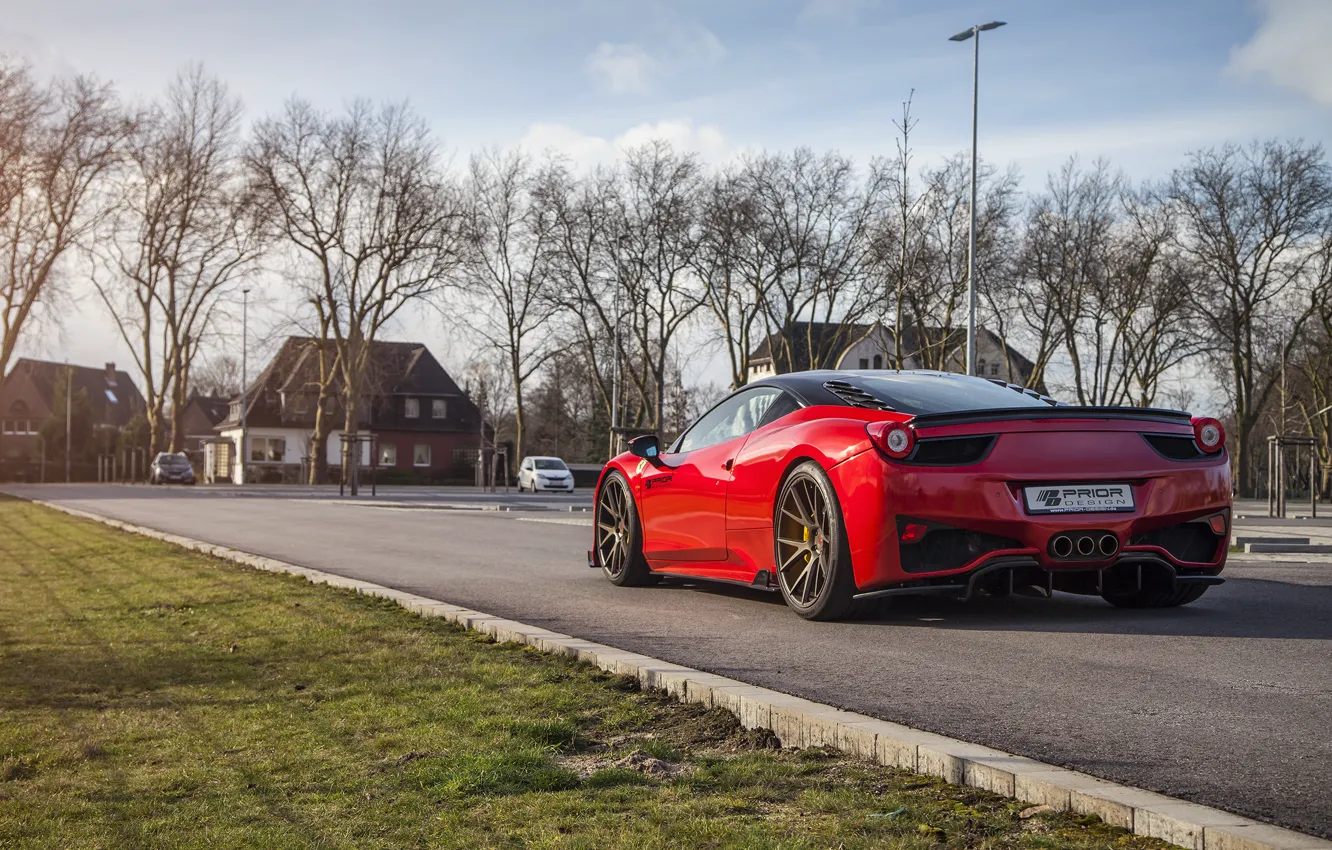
(170, 468)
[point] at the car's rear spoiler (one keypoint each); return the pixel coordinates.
(1140, 414)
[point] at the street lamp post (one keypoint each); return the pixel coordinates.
(615, 369)
(973, 33)
(245, 376)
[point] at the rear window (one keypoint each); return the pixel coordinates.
(921, 395)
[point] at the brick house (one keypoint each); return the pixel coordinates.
(424, 428)
(200, 417)
(27, 399)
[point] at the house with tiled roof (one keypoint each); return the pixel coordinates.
(834, 345)
(28, 398)
(421, 425)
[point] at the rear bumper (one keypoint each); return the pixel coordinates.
(874, 494)
(553, 488)
(1007, 572)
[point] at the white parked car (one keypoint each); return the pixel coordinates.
(540, 474)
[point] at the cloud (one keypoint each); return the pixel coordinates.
(631, 69)
(839, 11)
(1290, 48)
(624, 68)
(587, 151)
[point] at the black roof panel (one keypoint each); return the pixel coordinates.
(914, 392)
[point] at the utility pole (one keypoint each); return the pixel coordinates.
(245, 378)
(69, 395)
(973, 33)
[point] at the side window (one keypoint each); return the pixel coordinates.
(733, 417)
(784, 404)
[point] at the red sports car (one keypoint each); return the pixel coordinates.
(835, 487)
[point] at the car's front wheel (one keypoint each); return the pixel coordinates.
(813, 558)
(619, 535)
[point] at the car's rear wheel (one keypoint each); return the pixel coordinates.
(620, 535)
(1180, 594)
(813, 559)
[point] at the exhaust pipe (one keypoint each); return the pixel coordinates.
(1109, 544)
(1062, 546)
(1086, 546)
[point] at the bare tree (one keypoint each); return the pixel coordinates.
(656, 228)
(57, 142)
(508, 247)
(487, 380)
(183, 235)
(218, 376)
(1252, 218)
(824, 219)
(936, 292)
(739, 258)
(362, 201)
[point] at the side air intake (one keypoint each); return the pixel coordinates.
(855, 396)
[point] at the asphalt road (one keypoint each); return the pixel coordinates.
(1227, 702)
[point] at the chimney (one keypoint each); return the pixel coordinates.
(110, 374)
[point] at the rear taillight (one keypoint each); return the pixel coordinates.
(1208, 434)
(895, 439)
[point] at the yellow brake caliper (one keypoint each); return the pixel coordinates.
(805, 539)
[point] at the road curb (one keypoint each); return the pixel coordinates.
(798, 722)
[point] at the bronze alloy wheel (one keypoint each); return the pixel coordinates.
(813, 567)
(619, 537)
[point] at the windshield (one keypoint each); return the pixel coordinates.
(934, 393)
(550, 463)
(172, 460)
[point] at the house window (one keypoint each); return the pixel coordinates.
(421, 455)
(994, 368)
(878, 361)
(6, 426)
(388, 454)
(439, 409)
(299, 404)
(465, 457)
(267, 449)
(864, 362)
(980, 366)
(412, 409)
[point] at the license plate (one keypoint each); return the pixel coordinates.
(1078, 498)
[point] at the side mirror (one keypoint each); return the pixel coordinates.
(647, 447)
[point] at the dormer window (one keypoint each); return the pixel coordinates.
(439, 409)
(411, 408)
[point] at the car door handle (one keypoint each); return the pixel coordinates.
(727, 466)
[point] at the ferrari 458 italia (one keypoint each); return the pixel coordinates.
(836, 487)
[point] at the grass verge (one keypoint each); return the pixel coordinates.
(152, 697)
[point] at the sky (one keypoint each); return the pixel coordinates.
(1140, 82)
